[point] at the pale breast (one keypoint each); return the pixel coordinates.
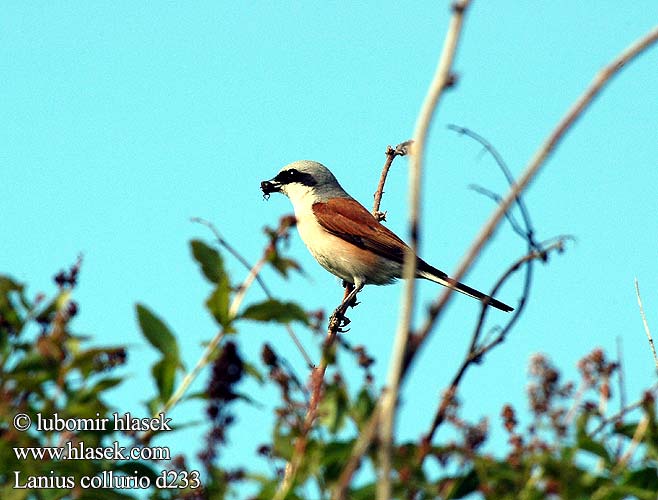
(339, 257)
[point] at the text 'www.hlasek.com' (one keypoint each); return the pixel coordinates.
(72, 447)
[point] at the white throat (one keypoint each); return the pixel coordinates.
(302, 197)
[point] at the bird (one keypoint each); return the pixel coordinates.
(346, 239)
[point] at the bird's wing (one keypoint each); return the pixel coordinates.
(349, 220)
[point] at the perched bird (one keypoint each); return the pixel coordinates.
(345, 238)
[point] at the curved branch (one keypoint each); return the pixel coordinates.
(533, 167)
(476, 351)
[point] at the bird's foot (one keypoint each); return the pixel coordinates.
(339, 321)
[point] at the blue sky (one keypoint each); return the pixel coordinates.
(120, 121)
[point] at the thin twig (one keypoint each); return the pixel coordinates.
(497, 198)
(442, 79)
(644, 322)
(622, 391)
(529, 233)
(476, 350)
(220, 239)
(619, 416)
(401, 149)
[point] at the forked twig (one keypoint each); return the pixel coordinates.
(529, 232)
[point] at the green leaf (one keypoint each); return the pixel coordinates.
(275, 310)
(282, 443)
(464, 485)
(367, 492)
(212, 264)
(10, 314)
(283, 264)
(587, 443)
(254, 372)
(218, 302)
(643, 478)
(362, 407)
(333, 407)
(164, 373)
(96, 391)
(157, 333)
(334, 457)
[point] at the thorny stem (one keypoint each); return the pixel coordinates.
(317, 375)
(317, 385)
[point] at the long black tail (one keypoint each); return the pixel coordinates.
(433, 274)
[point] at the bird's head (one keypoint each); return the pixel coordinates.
(304, 178)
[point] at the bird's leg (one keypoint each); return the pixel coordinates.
(349, 299)
(348, 289)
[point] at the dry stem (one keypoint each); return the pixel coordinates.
(401, 149)
(476, 351)
(644, 322)
(442, 79)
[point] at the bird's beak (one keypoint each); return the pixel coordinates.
(271, 186)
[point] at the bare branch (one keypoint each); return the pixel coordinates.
(442, 80)
(533, 167)
(401, 149)
(644, 322)
(528, 234)
(476, 350)
(619, 416)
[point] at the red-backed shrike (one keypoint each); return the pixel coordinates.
(345, 238)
